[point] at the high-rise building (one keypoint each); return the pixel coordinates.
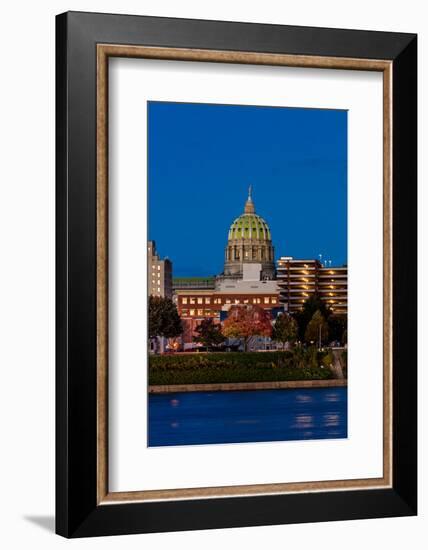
(299, 279)
(333, 288)
(159, 273)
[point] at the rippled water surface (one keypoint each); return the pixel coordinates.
(247, 416)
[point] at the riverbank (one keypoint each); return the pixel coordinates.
(248, 386)
(236, 368)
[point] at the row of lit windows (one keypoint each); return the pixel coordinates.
(196, 300)
(154, 267)
(266, 300)
(197, 312)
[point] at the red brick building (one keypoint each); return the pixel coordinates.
(195, 305)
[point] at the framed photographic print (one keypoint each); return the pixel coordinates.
(236, 274)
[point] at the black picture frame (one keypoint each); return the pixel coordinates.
(77, 511)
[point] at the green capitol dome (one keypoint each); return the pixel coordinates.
(249, 241)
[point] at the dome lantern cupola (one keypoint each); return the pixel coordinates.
(249, 205)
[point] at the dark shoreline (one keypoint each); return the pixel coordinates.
(240, 386)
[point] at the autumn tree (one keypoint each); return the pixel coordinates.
(209, 334)
(246, 321)
(284, 329)
(317, 329)
(163, 318)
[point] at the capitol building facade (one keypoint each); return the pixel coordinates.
(251, 277)
(248, 277)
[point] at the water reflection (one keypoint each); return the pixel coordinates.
(303, 397)
(331, 420)
(304, 421)
(332, 397)
(247, 416)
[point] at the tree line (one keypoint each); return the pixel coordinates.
(313, 324)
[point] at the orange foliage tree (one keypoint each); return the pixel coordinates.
(246, 321)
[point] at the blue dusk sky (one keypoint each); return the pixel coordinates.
(203, 157)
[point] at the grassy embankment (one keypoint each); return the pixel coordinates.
(209, 368)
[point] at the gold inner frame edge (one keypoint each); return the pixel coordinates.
(104, 51)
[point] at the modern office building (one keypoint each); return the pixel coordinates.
(299, 279)
(333, 288)
(159, 273)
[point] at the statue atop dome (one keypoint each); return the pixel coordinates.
(249, 205)
(249, 242)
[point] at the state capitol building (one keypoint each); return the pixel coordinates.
(249, 277)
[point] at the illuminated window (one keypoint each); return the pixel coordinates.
(158, 267)
(158, 289)
(207, 300)
(184, 312)
(246, 301)
(192, 301)
(266, 300)
(200, 300)
(273, 300)
(200, 312)
(184, 300)
(236, 301)
(192, 312)
(227, 300)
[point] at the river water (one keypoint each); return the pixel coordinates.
(196, 418)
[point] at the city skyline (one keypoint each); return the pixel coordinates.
(203, 157)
